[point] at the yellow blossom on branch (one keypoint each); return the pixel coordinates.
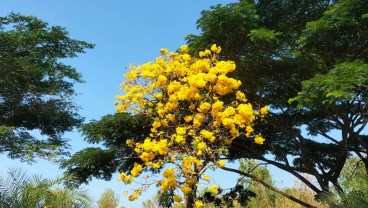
(259, 140)
(196, 110)
(177, 198)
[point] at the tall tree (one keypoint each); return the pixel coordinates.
(36, 87)
(279, 44)
(193, 122)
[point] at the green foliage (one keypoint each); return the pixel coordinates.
(340, 34)
(108, 199)
(264, 35)
(218, 25)
(354, 180)
(255, 168)
(19, 190)
(111, 131)
(263, 197)
(36, 88)
(160, 200)
(346, 82)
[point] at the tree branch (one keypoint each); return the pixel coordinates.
(269, 187)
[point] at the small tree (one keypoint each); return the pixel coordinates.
(154, 202)
(108, 199)
(196, 112)
(21, 190)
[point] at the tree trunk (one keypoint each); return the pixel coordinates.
(191, 198)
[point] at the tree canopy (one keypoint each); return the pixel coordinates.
(36, 87)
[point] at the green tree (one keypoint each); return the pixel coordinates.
(19, 190)
(111, 131)
(264, 197)
(279, 48)
(36, 88)
(152, 203)
(108, 199)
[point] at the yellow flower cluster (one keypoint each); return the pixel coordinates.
(169, 181)
(198, 204)
(125, 178)
(214, 189)
(192, 117)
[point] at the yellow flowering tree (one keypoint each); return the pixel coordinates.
(196, 110)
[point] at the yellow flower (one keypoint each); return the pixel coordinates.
(249, 129)
(129, 142)
(217, 107)
(191, 107)
(125, 178)
(156, 124)
(214, 189)
(186, 57)
(177, 198)
(197, 122)
(188, 119)
(240, 96)
(207, 52)
(204, 107)
(164, 51)
(201, 54)
(132, 197)
(161, 80)
(208, 135)
(179, 139)
(201, 146)
(221, 163)
(181, 131)
(165, 185)
(259, 140)
(184, 49)
(186, 189)
(206, 178)
(198, 204)
(147, 156)
(136, 170)
(156, 165)
(215, 48)
(170, 172)
(264, 110)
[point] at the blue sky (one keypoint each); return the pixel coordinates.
(125, 32)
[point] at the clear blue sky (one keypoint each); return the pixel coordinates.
(125, 32)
